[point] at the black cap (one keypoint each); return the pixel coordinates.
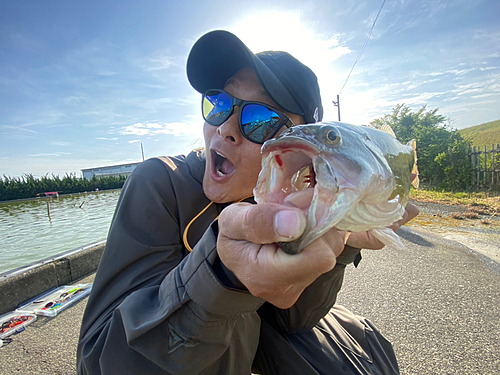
(218, 55)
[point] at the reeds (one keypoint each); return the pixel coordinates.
(29, 186)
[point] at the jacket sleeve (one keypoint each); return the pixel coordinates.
(154, 310)
(316, 300)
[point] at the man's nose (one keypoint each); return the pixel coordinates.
(230, 130)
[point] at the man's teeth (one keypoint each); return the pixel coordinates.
(218, 170)
(218, 166)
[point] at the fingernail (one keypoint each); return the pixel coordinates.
(289, 223)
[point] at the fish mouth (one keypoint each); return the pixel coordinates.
(295, 173)
(289, 174)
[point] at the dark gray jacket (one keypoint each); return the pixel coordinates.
(155, 308)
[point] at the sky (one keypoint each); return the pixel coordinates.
(88, 83)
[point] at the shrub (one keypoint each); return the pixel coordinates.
(29, 186)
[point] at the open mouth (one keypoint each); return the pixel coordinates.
(288, 177)
(295, 173)
(221, 165)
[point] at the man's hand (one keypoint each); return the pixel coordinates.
(247, 246)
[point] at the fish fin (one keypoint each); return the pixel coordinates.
(365, 216)
(387, 129)
(389, 238)
(416, 181)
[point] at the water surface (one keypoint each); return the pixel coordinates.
(32, 230)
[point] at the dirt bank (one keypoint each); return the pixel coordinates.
(470, 226)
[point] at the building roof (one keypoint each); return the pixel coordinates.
(111, 166)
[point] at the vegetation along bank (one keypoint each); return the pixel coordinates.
(29, 186)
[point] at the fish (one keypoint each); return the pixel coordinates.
(352, 177)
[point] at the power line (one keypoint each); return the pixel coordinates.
(364, 46)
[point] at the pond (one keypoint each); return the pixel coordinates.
(31, 230)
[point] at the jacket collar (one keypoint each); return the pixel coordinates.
(196, 161)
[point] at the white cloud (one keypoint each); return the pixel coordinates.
(21, 127)
(191, 127)
(136, 129)
(489, 68)
(60, 143)
(483, 96)
(157, 104)
(51, 154)
(423, 98)
(74, 99)
(469, 91)
(454, 71)
(160, 63)
(107, 73)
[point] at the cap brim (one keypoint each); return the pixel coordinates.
(219, 54)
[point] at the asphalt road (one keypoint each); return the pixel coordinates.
(439, 304)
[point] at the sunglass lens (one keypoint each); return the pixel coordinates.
(216, 107)
(259, 123)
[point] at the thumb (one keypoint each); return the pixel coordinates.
(261, 223)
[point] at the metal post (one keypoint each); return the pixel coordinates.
(337, 104)
(142, 149)
(497, 150)
(492, 166)
(485, 156)
(475, 167)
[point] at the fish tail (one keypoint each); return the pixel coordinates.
(416, 180)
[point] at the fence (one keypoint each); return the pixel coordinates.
(486, 167)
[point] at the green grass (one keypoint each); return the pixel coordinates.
(483, 135)
(490, 201)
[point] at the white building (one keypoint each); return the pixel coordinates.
(111, 170)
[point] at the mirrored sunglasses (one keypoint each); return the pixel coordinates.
(258, 122)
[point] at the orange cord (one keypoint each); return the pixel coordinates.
(184, 236)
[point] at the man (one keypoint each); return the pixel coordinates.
(236, 302)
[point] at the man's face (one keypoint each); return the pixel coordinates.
(233, 162)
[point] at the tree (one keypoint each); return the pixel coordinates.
(441, 150)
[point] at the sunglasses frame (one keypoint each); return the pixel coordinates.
(240, 103)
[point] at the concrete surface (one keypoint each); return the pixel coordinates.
(27, 282)
(439, 304)
(47, 346)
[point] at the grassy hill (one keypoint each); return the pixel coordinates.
(484, 134)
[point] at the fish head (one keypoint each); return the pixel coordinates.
(324, 169)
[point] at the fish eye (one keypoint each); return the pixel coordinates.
(330, 135)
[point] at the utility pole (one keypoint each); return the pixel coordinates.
(337, 104)
(142, 149)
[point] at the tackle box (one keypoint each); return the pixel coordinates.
(14, 322)
(56, 300)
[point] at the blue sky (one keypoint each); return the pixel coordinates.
(84, 83)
